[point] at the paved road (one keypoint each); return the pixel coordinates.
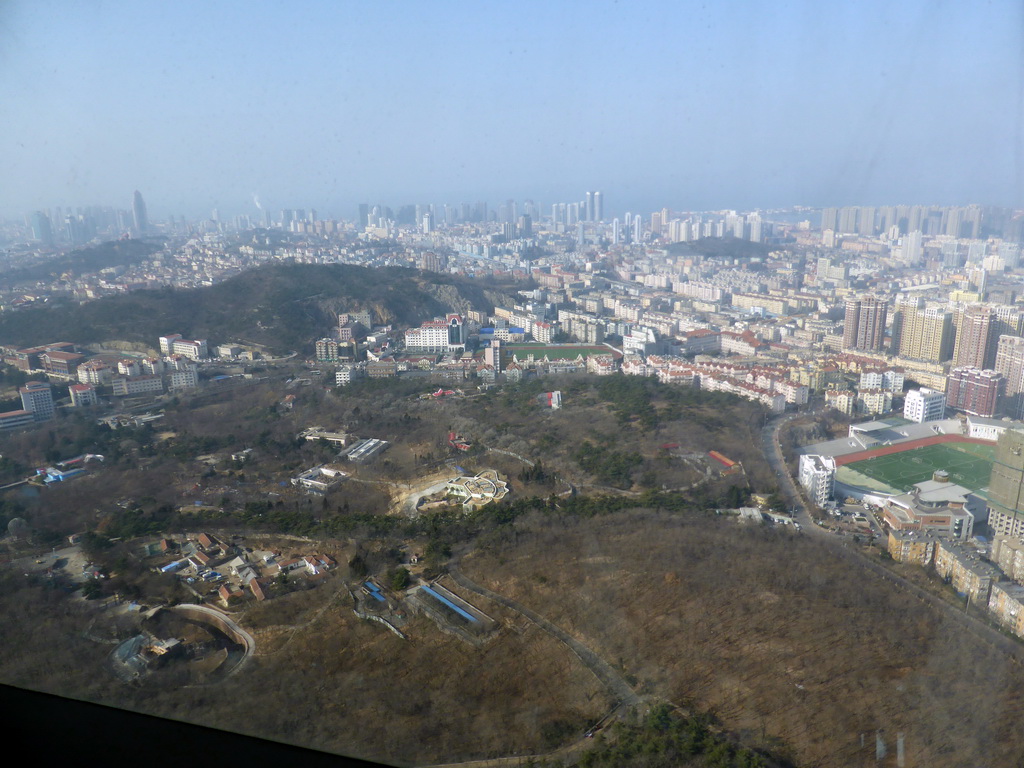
(248, 641)
(617, 687)
(787, 488)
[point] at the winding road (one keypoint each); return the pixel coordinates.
(248, 641)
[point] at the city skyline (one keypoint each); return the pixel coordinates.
(913, 219)
(656, 104)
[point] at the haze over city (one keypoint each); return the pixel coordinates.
(693, 106)
(581, 385)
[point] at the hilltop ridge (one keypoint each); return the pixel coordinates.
(283, 306)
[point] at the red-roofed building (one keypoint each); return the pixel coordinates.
(257, 590)
(201, 559)
(230, 592)
(292, 564)
(58, 363)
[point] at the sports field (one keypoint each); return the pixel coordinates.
(969, 465)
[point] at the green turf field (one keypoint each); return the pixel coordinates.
(968, 464)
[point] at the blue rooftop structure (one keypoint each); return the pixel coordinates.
(444, 600)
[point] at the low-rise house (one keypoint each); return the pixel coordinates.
(964, 569)
(246, 574)
(229, 593)
(1008, 554)
(1006, 604)
(257, 590)
(320, 480)
(916, 547)
(291, 564)
(316, 564)
(201, 560)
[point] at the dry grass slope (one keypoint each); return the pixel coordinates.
(792, 649)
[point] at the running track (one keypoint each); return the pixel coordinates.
(886, 450)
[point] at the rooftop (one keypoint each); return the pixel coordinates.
(934, 492)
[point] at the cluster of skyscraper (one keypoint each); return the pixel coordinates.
(895, 220)
(82, 225)
(429, 215)
(589, 210)
(969, 335)
(982, 341)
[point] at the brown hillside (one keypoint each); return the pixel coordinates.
(789, 646)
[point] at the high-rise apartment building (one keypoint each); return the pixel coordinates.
(558, 213)
(1010, 363)
(973, 333)
(1009, 321)
(864, 325)
(1006, 486)
(848, 220)
(829, 219)
(866, 222)
(978, 328)
(756, 226)
(975, 391)
(905, 304)
(911, 248)
(922, 333)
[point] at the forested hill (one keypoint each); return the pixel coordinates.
(284, 306)
(117, 253)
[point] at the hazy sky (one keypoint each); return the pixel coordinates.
(686, 105)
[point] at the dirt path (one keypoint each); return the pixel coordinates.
(621, 692)
(616, 685)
